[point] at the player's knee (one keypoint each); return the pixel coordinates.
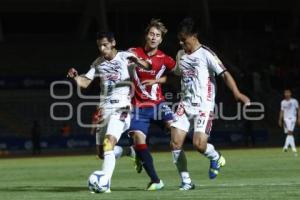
(175, 145)
(139, 137)
(200, 147)
(107, 145)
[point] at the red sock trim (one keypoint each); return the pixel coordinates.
(140, 147)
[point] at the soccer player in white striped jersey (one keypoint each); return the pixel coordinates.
(115, 101)
(198, 67)
(287, 119)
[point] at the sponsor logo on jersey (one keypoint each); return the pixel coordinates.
(152, 72)
(112, 77)
(209, 89)
(189, 73)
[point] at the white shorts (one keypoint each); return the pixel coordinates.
(289, 124)
(202, 122)
(115, 122)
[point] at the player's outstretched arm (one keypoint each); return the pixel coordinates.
(230, 82)
(81, 81)
(161, 80)
(140, 62)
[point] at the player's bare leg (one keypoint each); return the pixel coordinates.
(208, 150)
(179, 158)
(286, 143)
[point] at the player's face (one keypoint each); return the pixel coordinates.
(106, 47)
(187, 42)
(287, 94)
(153, 38)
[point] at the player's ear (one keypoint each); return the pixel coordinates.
(160, 40)
(114, 43)
(195, 36)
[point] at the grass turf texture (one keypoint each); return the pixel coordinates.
(249, 174)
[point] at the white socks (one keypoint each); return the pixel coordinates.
(290, 141)
(185, 177)
(118, 151)
(211, 153)
(109, 163)
(179, 160)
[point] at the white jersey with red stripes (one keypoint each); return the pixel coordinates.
(114, 79)
(198, 83)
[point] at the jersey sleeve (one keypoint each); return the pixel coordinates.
(281, 106)
(169, 63)
(130, 53)
(91, 73)
(215, 64)
(296, 104)
(133, 50)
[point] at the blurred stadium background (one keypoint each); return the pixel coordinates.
(258, 40)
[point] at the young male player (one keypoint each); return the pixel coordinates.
(112, 69)
(198, 67)
(287, 119)
(148, 101)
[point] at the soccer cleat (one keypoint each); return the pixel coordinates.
(187, 186)
(107, 191)
(215, 166)
(155, 186)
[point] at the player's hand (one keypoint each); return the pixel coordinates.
(132, 59)
(149, 82)
(280, 123)
(140, 62)
(243, 98)
(72, 73)
(97, 116)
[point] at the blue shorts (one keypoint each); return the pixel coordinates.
(141, 118)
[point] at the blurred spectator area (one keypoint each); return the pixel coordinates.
(258, 41)
(19, 108)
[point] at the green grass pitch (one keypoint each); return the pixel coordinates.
(249, 174)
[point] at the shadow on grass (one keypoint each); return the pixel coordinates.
(67, 189)
(44, 189)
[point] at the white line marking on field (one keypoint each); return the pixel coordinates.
(253, 184)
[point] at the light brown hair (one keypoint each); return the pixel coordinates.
(157, 24)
